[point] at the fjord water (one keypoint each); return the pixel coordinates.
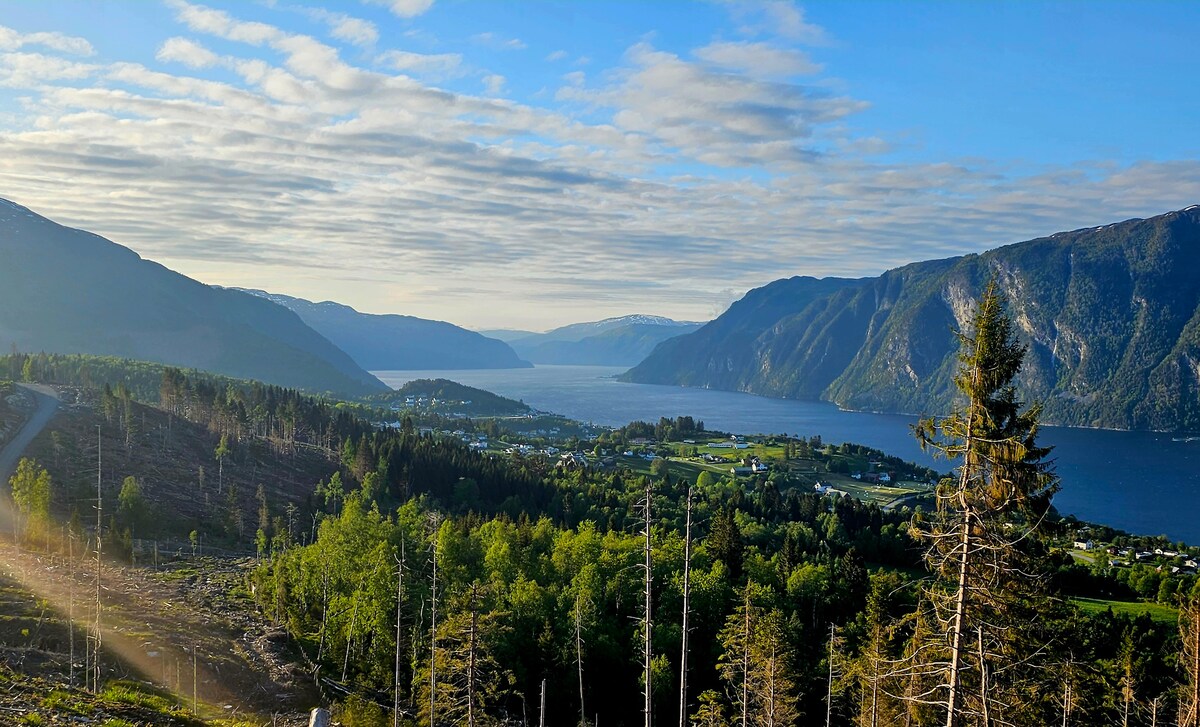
(1143, 482)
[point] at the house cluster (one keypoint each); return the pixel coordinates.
(572, 461)
(1166, 558)
(823, 489)
(751, 466)
(421, 401)
(734, 442)
(882, 478)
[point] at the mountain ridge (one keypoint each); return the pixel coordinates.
(392, 341)
(616, 341)
(77, 292)
(1111, 314)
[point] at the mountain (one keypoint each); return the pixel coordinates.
(622, 341)
(508, 335)
(69, 291)
(1111, 316)
(396, 342)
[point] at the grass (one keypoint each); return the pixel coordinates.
(1157, 611)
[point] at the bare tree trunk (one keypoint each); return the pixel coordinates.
(648, 623)
(960, 608)
(324, 614)
(542, 713)
(829, 687)
(1189, 661)
(433, 639)
(97, 639)
(399, 611)
(983, 680)
(579, 663)
(350, 637)
(746, 661)
(687, 593)
(472, 644)
(71, 602)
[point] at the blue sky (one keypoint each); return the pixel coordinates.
(537, 163)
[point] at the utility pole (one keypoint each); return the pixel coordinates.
(687, 592)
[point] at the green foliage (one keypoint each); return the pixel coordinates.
(31, 491)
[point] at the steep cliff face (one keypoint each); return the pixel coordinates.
(1111, 316)
(735, 351)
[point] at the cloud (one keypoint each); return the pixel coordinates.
(344, 27)
(714, 116)
(496, 42)
(298, 170)
(187, 52)
(778, 18)
(441, 65)
(405, 8)
(557, 55)
(493, 84)
(11, 40)
(759, 60)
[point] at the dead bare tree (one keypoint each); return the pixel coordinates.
(1189, 662)
(647, 620)
(687, 593)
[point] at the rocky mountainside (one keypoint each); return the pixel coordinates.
(398, 342)
(64, 290)
(1111, 315)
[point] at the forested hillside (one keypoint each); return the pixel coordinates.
(1111, 316)
(455, 586)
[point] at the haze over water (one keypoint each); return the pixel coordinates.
(1142, 482)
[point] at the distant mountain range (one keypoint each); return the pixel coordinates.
(398, 342)
(64, 290)
(1111, 315)
(622, 341)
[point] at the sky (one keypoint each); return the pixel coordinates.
(526, 165)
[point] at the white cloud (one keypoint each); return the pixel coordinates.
(779, 18)
(557, 55)
(759, 60)
(493, 84)
(347, 28)
(712, 116)
(496, 42)
(187, 52)
(405, 8)
(307, 173)
(73, 45)
(440, 65)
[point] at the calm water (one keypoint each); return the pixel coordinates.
(1141, 482)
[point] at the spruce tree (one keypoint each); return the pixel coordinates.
(985, 595)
